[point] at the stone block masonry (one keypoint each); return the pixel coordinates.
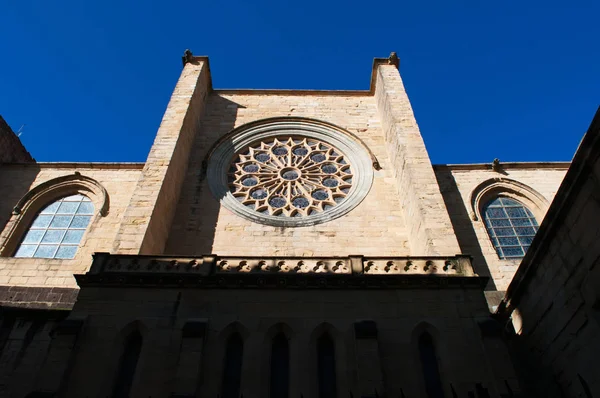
(148, 218)
(375, 227)
(120, 181)
(11, 148)
(430, 230)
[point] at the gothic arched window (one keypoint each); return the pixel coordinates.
(280, 367)
(57, 230)
(128, 365)
(511, 226)
(429, 364)
(326, 367)
(232, 372)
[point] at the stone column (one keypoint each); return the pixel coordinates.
(430, 230)
(54, 371)
(368, 361)
(190, 358)
(251, 369)
(148, 218)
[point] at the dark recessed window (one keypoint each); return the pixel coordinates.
(232, 373)
(511, 227)
(127, 365)
(326, 367)
(280, 367)
(429, 364)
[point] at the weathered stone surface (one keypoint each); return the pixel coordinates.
(168, 254)
(11, 148)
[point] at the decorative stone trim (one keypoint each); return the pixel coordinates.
(290, 177)
(60, 186)
(394, 60)
(105, 263)
(282, 273)
(501, 186)
(43, 194)
(187, 57)
(222, 155)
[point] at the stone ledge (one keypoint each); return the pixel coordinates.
(206, 265)
(38, 297)
(273, 281)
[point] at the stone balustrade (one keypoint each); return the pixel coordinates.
(105, 263)
(352, 272)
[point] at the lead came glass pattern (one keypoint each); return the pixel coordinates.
(57, 230)
(290, 177)
(511, 227)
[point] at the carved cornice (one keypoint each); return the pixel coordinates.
(210, 271)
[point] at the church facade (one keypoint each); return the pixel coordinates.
(276, 243)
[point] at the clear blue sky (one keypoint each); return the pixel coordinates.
(517, 80)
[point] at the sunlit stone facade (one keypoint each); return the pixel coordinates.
(276, 243)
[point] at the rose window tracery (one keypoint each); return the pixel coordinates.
(289, 172)
(290, 177)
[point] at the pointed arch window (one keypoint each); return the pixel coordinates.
(232, 372)
(280, 367)
(511, 226)
(429, 364)
(57, 230)
(127, 365)
(326, 367)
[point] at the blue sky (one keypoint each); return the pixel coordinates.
(517, 80)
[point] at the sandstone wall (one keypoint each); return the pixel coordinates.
(148, 218)
(458, 183)
(16, 180)
(554, 300)
(202, 226)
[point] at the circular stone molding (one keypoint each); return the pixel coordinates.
(290, 173)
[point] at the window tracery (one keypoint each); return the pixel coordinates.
(57, 230)
(510, 225)
(290, 177)
(290, 172)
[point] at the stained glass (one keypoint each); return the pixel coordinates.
(287, 177)
(329, 168)
(511, 226)
(300, 202)
(300, 151)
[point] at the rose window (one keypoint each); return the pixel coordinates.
(290, 177)
(289, 172)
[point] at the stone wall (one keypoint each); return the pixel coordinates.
(553, 300)
(25, 339)
(455, 317)
(147, 222)
(459, 182)
(17, 179)
(203, 226)
(11, 148)
(430, 231)
(404, 212)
